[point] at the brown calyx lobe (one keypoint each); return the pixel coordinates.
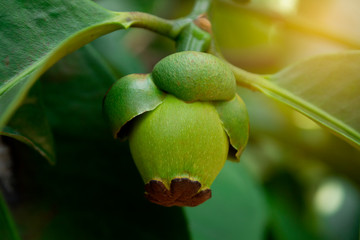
(183, 193)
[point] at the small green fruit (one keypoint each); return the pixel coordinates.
(179, 149)
(195, 76)
(180, 140)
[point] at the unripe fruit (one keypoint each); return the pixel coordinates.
(180, 140)
(179, 149)
(195, 76)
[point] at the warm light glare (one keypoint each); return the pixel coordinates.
(329, 198)
(287, 6)
(282, 6)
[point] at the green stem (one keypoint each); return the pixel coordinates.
(248, 79)
(168, 28)
(6, 221)
(200, 7)
(192, 37)
(183, 30)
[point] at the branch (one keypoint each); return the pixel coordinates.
(167, 28)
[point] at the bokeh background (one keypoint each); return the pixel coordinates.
(295, 179)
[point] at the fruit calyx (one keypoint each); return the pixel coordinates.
(182, 192)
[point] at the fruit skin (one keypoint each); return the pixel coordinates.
(129, 97)
(235, 119)
(195, 76)
(179, 140)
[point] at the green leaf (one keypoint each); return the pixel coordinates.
(30, 126)
(285, 224)
(237, 209)
(289, 216)
(34, 35)
(7, 226)
(325, 88)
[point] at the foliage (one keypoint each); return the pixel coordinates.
(295, 179)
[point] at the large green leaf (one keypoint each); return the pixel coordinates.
(326, 88)
(237, 209)
(7, 226)
(30, 126)
(36, 34)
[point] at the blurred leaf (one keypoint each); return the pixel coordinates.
(285, 224)
(7, 226)
(95, 191)
(287, 208)
(73, 89)
(241, 1)
(237, 209)
(30, 126)
(255, 46)
(34, 35)
(337, 204)
(325, 88)
(280, 33)
(117, 55)
(317, 145)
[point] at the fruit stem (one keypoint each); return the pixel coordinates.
(167, 28)
(192, 37)
(186, 33)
